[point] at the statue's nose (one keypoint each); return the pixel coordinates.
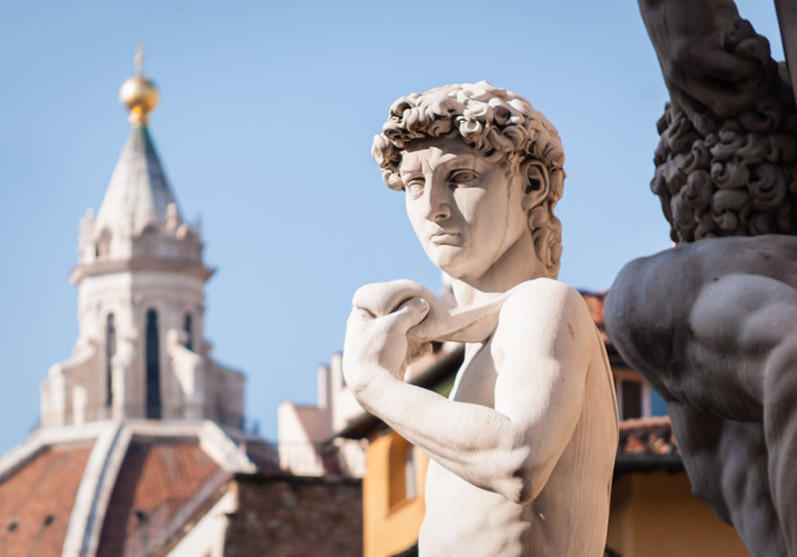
(438, 201)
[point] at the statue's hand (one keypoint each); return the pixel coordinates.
(376, 332)
(711, 59)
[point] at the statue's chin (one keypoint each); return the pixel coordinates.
(450, 259)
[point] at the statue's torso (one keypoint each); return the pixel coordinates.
(568, 517)
(700, 320)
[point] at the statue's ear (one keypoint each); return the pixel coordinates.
(536, 184)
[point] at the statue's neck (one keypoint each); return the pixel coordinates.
(479, 301)
(518, 264)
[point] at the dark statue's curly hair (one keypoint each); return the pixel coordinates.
(495, 122)
(731, 177)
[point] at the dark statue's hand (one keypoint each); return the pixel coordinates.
(711, 59)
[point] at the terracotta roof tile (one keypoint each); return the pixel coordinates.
(36, 500)
(157, 480)
(647, 436)
(595, 301)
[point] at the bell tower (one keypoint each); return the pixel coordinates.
(140, 351)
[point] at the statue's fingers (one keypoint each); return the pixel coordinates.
(404, 289)
(366, 296)
(723, 65)
(410, 313)
(383, 298)
(424, 349)
(722, 100)
(695, 111)
(357, 318)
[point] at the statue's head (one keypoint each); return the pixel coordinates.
(480, 168)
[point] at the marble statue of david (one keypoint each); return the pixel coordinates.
(522, 451)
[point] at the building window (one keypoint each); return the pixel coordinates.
(110, 351)
(402, 476)
(189, 331)
(657, 405)
(153, 401)
(633, 395)
(410, 478)
(632, 399)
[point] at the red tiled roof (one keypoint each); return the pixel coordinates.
(36, 500)
(647, 436)
(158, 480)
(595, 304)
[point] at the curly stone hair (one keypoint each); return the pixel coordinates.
(735, 176)
(495, 122)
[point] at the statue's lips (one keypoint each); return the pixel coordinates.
(446, 239)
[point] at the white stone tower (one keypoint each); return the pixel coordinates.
(140, 351)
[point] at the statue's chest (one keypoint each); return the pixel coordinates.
(475, 381)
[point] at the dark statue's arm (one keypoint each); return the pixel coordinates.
(710, 57)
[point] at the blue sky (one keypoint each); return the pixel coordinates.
(264, 128)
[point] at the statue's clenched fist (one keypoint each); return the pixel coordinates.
(377, 336)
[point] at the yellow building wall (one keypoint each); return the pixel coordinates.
(655, 515)
(387, 529)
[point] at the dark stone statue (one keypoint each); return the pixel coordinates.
(712, 322)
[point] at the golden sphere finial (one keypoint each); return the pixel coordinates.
(138, 93)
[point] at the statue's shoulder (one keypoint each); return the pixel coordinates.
(544, 317)
(544, 299)
(534, 289)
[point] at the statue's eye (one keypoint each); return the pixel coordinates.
(463, 177)
(415, 186)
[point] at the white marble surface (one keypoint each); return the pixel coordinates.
(523, 448)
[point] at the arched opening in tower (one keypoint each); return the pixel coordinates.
(110, 351)
(153, 401)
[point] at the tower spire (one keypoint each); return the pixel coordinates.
(138, 93)
(138, 195)
(139, 60)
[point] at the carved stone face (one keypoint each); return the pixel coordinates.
(465, 209)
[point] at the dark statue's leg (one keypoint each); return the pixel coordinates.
(727, 466)
(698, 436)
(780, 426)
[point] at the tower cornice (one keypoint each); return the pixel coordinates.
(185, 266)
